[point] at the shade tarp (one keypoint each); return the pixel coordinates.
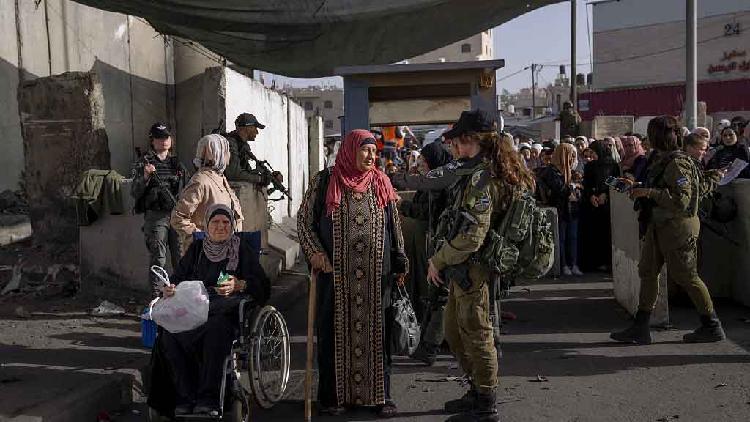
(310, 38)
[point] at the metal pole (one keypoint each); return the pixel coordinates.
(691, 63)
(533, 92)
(573, 93)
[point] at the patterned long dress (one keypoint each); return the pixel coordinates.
(365, 245)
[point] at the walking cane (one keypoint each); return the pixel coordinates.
(309, 365)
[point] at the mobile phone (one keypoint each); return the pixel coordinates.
(620, 185)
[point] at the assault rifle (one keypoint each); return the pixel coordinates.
(161, 186)
(267, 172)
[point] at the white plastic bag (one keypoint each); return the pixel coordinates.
(186, 310)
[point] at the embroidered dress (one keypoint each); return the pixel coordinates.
(364, 244)
(358, 232)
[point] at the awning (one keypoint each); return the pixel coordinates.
(303, 38)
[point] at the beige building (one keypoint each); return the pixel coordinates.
(641, 42)
(476, 47)
(639, 58)
(327, 102)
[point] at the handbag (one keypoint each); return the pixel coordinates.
(405, 332)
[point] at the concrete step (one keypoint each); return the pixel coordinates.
(282, 242)
(272, 262)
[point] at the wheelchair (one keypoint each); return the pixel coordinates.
(257, 368)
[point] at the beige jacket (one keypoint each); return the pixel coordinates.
(205, 188)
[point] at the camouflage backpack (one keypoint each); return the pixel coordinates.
(522, 245)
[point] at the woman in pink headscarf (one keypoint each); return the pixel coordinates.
(350, 232)
(634, 158)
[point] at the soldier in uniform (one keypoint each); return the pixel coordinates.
(239, 169)
(437, 182)
(669, 204)
(479, 200)
(570, 121)
(158, 179)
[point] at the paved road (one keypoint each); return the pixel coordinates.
(562, 336)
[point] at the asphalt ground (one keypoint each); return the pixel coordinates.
(558, 364)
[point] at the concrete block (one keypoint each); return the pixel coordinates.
(723, 244)
(113, 254)
(556, 267)
(14, 228)
(62, 118)
(288, 248)
(254, 209)
(626, 253)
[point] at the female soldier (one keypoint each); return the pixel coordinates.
(494, 173)
(674, 190)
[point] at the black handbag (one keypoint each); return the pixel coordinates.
(405, 332)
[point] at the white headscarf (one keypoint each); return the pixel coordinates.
(212, 151)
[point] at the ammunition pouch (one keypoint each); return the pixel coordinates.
(498, 254)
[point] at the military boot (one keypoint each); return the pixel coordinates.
(485, 409)
(426, 352)
(710, 331)
(464, 404)
(638, 333)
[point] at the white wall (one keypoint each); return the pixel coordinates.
(299, 166)
(277, 143)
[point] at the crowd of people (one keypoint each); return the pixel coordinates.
(364, 242)
(571, 175)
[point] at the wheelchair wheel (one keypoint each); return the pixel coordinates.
(269, 357)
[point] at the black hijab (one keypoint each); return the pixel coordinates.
(435, 155)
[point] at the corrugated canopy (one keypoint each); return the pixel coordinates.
(308, 38)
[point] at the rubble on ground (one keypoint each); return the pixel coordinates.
(13, 202)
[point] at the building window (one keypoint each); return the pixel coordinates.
(328, 104)
(466, 48)
(329, 124)
(308, 105)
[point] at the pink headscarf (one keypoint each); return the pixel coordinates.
(629, 156)
(346, 175)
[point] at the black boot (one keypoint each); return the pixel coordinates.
(485, 409)
(426, 352)
(710, 331)
(638, 333)
(464, 404)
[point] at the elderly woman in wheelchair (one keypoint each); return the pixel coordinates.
(195, 361)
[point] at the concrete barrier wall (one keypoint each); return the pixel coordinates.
(299, 165)
(724, 263)
(283, 143)
(132, 61)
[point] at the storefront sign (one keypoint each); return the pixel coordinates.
(731, 61)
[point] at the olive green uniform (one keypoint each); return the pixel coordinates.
(570, 123)
(440, 179)
(239, 168)
(677, 187)
(468, 328)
